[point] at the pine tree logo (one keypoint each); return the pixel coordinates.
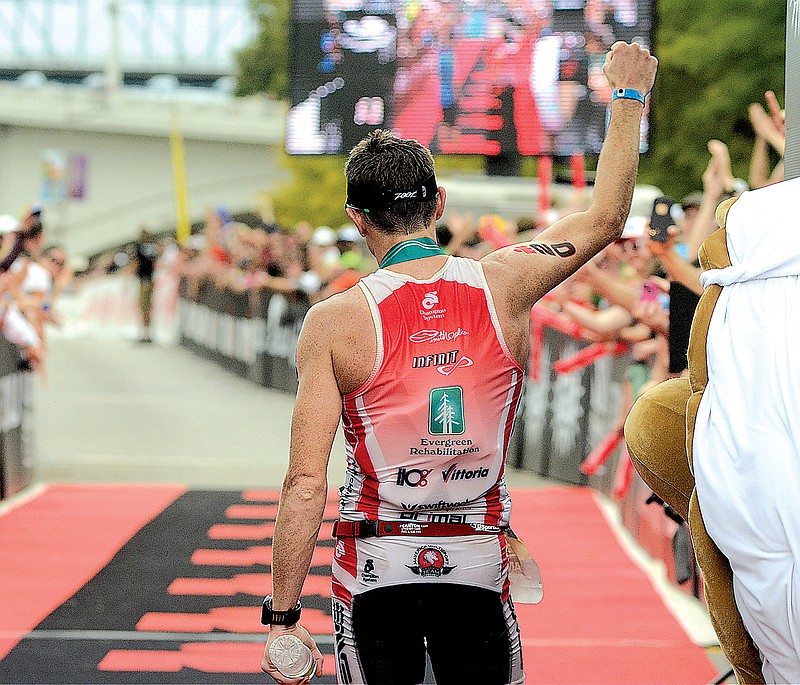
(446, 411)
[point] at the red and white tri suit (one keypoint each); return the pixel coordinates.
(426, 438)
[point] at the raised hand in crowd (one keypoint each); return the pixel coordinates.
(599, 324)
(770, 130)
(623, 293)
(771, 126)
(677, 268)
(653, 315)
(717, 181)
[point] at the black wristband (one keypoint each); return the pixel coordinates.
(280, 618)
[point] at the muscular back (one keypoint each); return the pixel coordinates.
(353, 339)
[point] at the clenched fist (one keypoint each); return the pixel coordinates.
(629, 65)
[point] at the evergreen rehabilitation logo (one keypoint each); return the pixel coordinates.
(446, 411)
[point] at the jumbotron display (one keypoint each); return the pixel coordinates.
(460, 76)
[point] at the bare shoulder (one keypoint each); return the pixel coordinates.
(335, 313)
(341, 328)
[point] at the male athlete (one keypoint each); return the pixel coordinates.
(423, 362)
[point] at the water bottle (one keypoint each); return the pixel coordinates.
(291, 657)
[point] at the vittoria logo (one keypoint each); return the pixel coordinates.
(446, 411)
(414, 478)
(455, 473)
(430, 562)
(436, 336)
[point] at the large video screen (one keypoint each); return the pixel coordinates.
(485, 77)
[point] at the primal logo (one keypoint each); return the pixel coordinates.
(434, 518)
(446, 411)
(430, 562)
(455, 473)
(437, 336)
(413, 478)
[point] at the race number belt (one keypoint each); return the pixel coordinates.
(379, 529)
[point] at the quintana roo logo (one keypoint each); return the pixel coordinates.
(430, 562)
(430, 300)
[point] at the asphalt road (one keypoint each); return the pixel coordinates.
(122, 411)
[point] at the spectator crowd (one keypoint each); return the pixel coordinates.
(32, 276)
(639, 291)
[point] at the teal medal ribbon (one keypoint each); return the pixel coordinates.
(416, 248)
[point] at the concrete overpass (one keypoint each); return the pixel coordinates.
(232, 149)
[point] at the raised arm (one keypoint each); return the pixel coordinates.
(302, 503)
(522, 274)
(676, 266)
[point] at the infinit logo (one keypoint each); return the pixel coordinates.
(444, 362)
(462, 363)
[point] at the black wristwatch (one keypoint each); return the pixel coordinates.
(280, 618)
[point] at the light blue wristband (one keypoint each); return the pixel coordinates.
(627, 94)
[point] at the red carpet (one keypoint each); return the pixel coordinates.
(137, 584)
(51, 546)
(600, 620)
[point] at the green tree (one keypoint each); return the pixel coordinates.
(715, 58)
(315, 193)
(316, 190)
(263, 66)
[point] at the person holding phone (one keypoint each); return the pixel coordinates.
(684, 278)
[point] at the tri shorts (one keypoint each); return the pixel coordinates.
(469, 633)
(396, 598)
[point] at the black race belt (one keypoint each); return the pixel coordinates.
(379, 529)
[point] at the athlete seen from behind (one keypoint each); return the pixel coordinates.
(423, 363)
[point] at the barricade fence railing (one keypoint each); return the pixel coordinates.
(577, 395)
(568, 427)
(16, 422)
(253, 334)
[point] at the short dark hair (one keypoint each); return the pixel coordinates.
(384, 160)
